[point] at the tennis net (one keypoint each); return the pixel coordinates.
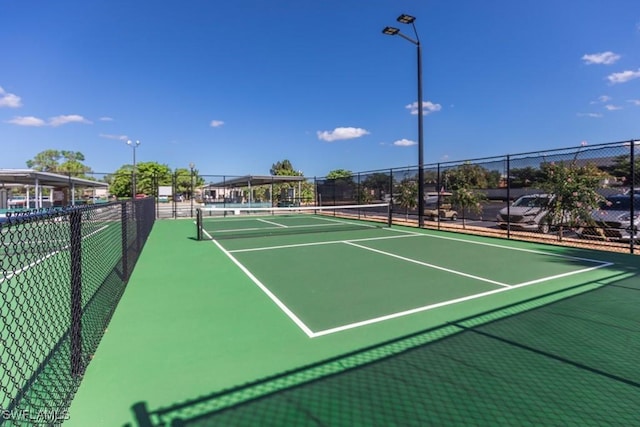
(226, 223)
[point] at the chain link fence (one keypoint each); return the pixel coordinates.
(62, 273)
(585, 196)
(582, 196)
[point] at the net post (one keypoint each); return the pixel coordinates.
(390, 214)
(75, 249)
(199, 223)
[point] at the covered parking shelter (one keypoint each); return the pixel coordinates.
(241, 191)
(41, 189)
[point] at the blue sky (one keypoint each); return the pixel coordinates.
(235, 86)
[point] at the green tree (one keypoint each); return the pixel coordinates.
(621, 170)
(183, 181)
(339, 174)
(493, 179)
(466, 175)
(575, 193)
(50, 161)
(464, 182)
(285, 168)
(525, 177)
(120, 182)
(379, 183)
(281, 190)
(149, 175)
(408, 195)
(45, 161)
(342, 187)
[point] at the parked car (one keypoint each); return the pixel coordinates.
(613, 221)
(442, 211)
(529, 213)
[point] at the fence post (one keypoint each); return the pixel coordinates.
(156, 186)
(632, 196)
(125, 243)
(438, 188)
(359, 194)
(75, 221)
(138, 208)
(174, 192)
(508, 196)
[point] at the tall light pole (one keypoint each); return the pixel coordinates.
(134, 145)
(191, 166)
(391, 31)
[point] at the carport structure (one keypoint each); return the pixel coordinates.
(231, 188)
(41, 181)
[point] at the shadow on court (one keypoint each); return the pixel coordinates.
(557, 359)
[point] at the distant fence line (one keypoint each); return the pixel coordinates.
(500, 180)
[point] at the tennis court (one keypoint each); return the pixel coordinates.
(268, 303)
(353, 274)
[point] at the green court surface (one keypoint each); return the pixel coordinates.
(200, 319)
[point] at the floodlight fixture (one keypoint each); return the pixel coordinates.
(406, 19)
(390, 31)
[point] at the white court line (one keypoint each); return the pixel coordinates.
(347, 222)
(44, 258)
(503, 288)
(534, 251)
(445, 303)
(272, 223)
(328, 242)
(264, 289)
(235, 230)
(436, 267)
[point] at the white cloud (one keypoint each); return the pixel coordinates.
(9, 99)
(624, 76)
(117, 137)
(53, 121)
(216, 123)
(428, 107)
(341, 133)
(593, 115)
(611, 107)
(70, 118)
(27, 121)
(404, 143)
(106, 119)
(605, 58)
(634, 101)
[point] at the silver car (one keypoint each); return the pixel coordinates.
(529, 213)
(613, 221)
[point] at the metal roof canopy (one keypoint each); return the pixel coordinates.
(37, 179)
(253, 180)
(49, 179)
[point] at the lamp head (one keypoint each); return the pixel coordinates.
(390, 31)
(406, 19)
